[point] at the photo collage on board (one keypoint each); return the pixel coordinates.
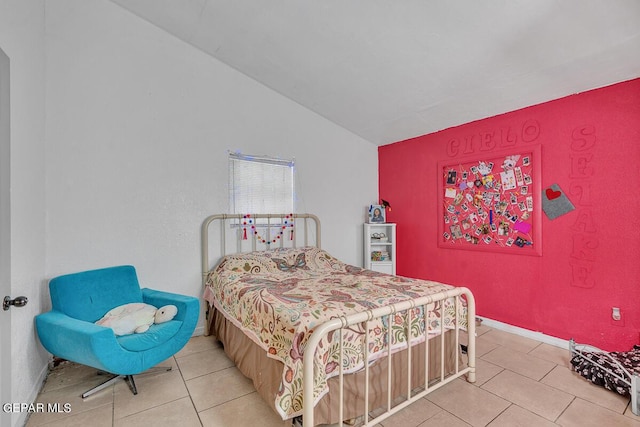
(489, 202)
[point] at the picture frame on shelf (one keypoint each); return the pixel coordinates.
(376, 214)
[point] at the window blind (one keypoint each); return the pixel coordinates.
(260, 184)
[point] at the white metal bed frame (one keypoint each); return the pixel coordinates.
(629, 378)
(230, 221)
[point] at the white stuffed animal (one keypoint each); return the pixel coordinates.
(136, 317)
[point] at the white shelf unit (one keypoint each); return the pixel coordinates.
(380, 253)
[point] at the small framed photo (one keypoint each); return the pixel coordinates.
(376, 214)
(451, 177)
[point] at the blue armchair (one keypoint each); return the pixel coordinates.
(78, 300)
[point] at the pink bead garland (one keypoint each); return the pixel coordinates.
(247, 220)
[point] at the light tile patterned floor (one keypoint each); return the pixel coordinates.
(520, 382)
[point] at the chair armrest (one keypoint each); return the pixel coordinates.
(186, 305)
(77, 340)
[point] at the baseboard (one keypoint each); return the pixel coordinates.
(526, 333)
(35, 391)
(198, 331)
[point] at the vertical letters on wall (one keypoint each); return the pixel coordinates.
(585, 239)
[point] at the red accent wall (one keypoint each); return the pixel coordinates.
(590, 261)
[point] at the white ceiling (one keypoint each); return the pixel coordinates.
(391, 70)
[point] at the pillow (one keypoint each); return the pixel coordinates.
(288, 260)
(136, 317)
(252, 262)
(308, 258)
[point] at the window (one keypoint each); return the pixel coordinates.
(260, 184)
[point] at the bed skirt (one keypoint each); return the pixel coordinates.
(266, 373)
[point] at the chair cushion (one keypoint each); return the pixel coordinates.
(88, 295)
(156, 335)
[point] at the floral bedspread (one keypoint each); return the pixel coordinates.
(277, 297)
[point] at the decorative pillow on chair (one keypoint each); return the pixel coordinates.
(136, 317)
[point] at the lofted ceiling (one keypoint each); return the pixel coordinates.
(391, 70)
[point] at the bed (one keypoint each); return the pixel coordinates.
(615, 371)
(324, 341)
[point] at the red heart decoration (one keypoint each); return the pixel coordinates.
(552, 194)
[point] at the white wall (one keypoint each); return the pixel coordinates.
(139, 124)
(133, 155)
(22, 39)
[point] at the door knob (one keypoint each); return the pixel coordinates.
(18, 302)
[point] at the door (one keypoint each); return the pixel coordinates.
(5, 241)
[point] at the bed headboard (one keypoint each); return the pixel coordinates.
(236, 233)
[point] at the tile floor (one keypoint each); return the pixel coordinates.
(520, 382)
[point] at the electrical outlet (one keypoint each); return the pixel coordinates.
(617, 317)
(615, 313)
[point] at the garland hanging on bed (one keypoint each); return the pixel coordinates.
(248, 221)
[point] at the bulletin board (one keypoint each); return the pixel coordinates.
(491, 202)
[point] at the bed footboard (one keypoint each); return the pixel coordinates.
(371, 415)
